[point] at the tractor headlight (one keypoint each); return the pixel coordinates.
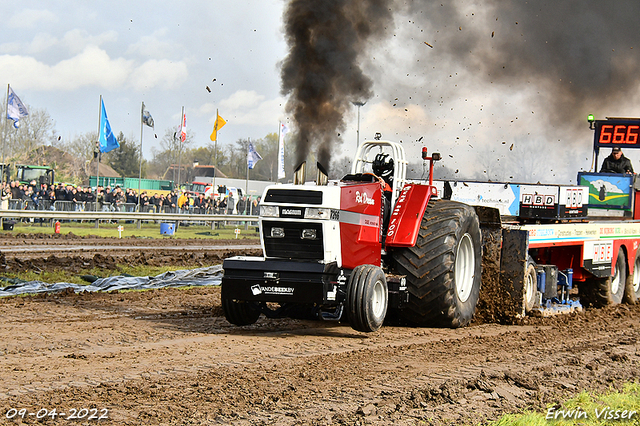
(277, 232)
(308, 234)
(269, 211)
(316, 213)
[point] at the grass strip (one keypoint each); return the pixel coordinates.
(585, 409)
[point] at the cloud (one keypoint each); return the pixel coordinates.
(30, 18)
(265, 113)
(41, 43)
(165, 73)
(242, 99)
(247, 107)
(91, 67)
(78, 40)
(9, 48)
(154, 46)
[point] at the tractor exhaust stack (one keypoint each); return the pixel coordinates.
(299, 174)
(322, 177)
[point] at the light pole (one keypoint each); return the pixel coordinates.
(358, 104)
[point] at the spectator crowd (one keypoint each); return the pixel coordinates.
(61, 197)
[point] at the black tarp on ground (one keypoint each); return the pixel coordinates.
(209, 276)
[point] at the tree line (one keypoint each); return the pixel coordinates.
(38, 130)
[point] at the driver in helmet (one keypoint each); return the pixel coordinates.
(382, 166)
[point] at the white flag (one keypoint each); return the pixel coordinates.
(146, 117)
(15, 108)
(283, 131)
(252, 156)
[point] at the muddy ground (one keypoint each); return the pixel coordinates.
(49, 252)
(168, 357)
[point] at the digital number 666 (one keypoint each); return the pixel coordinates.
(620, 133)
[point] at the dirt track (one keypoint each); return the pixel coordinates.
(169, 357)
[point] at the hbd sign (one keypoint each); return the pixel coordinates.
(538, 200)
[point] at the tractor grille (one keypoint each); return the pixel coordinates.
(293, 196)
(292, 246)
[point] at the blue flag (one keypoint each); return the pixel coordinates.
(252, 156)
(15, 108)
(108, 142)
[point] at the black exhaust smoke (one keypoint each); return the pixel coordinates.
(321, 74)
(581, 56)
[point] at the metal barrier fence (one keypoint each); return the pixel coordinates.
(138, 217)
(71, 206)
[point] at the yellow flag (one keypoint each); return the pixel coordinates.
(217, 126)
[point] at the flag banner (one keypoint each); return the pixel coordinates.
(217, 125)
(146, 117)
(108, 141)
(183, 128)
(15, 108)
(252, 156)
(283, 131)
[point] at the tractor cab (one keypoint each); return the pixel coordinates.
(384, 159)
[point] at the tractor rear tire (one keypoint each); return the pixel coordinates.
(239, 312)
(367, 298)
(444, 268)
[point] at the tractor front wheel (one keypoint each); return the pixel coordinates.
(367, 298)
(240, 312)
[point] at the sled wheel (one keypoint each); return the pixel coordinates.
(367, 298)
(240, 312)
(444, 267)
(530, 290)
(616, 289)
(599, 292)
(632, 288)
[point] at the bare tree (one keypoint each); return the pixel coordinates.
(36, 129)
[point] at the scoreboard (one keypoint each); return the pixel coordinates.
(620, 132)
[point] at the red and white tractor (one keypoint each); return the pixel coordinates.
(357, 248)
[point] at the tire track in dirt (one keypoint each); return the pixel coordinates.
(163, 357)
(169, 357)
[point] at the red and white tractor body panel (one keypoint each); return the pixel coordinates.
(338, 223)
(407, 213)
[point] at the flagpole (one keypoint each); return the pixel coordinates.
(278, 153)
(215, 155)
(4, 135)
(180, 146)
(99, 153)
(140, 170)
(246, 187)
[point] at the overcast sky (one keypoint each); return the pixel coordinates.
(62, 55)
(493, 88)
